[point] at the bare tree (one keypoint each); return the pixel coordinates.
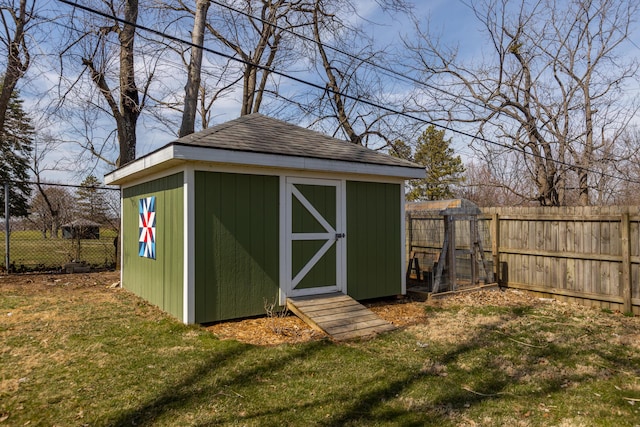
(348, 59)
(212, 92)
(486, 185)
(552, 88)
(50, 205)
(255, 33)
(126, 111)
(322, 18)
(102, 40)
(50, 208)
(623, 187)
(16, 19)
(192, 87)
(290, 35)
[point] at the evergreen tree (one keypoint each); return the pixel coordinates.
(16, 144)
(91, 201)
(444, 169)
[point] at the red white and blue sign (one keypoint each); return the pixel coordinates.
(147, 224)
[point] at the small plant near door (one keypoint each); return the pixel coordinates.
(275, 312)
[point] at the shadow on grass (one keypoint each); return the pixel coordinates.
(373, 407)
(368, 407)
(384, 398)
(198, 386)
(461, 392)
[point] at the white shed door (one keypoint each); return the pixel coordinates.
(315, 236)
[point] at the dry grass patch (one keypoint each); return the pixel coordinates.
(78, 352)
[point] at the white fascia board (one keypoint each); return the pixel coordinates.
(293, 162)
(172, 154)
(259, 170)
(165, 157)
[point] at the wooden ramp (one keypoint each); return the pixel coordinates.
(338, 315)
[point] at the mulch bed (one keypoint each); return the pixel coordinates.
(278, 329)
(402, 312)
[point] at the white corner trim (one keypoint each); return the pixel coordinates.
(283, 253)
(188, 299)
(342, 247)
(120, 239)
(403, 243)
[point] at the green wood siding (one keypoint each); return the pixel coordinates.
(236, 244)
(373, 240)
(160, 280)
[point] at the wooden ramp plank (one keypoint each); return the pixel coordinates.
(338, 315)
(346, 318)
(323, 308)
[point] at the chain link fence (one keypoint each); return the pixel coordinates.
(57, 227)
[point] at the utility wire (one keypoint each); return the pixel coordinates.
(334, 92)
(274, 71)
(57, 184)
(388, 71)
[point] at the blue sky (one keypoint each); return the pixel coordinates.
(452, 20)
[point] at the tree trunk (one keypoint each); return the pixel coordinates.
(265, 76)
(195, 66)
(249, 89)
(545, 167)
(16, 66)
(129, 100)
(332, 84)
(587, 155)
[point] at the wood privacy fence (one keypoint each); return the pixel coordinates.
(589, 255)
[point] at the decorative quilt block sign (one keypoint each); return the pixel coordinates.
(147, 224)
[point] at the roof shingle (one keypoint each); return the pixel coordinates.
(262, 134)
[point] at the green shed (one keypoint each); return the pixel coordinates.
(255, 209)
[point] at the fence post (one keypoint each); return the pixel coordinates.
(450, 221)
(625, 239)
(409, 235)
(495, 246)
(6, 226)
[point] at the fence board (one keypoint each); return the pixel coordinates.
(573, 253)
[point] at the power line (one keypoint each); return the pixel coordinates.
(388, 71)
(56, 184)
(335, 92)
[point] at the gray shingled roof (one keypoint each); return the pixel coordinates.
(261, 134)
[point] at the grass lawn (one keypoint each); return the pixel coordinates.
(30, 251)
(86, 354)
